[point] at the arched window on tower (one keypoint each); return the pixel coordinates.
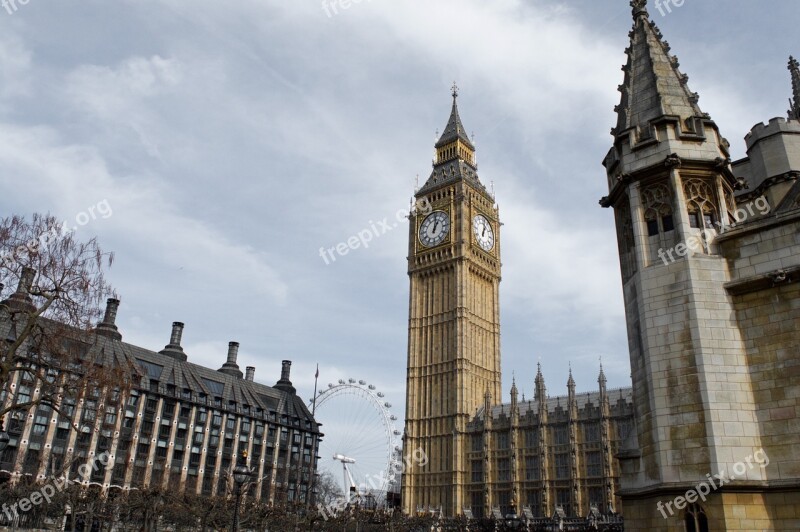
(658, 219)
(696, 520)
(701, 206)
(626, 241)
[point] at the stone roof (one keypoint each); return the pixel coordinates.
(205, 384)
(454, 129)
(450, 172)
(653, 87)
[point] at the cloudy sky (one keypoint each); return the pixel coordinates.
(232, 140)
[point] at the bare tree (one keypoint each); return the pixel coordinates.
(328, 490)
(60, 285)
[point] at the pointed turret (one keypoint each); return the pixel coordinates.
(514, 392)
(653, 86)
(454, 154)
(572, 399)
(454, 130)
(541, 391)
(601, 380)
(794, 68)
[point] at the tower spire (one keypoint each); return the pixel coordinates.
(454, 130)
(653, 86)
(794, 68)
(454, 154)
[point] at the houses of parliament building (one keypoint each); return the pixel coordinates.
(710, 260)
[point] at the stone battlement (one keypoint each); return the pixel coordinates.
(775, 126)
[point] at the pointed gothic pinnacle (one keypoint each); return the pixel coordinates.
(639, 9)
(794, 68)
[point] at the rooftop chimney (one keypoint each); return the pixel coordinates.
(231, 367)
(26, 281)
(250, 373)
(21, 300)
(108, 327)
(173, 348)
(285, 384)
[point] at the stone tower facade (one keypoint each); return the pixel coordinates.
(710, 260)
(454, 320)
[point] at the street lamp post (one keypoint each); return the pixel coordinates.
(512, 521)
(240, 475)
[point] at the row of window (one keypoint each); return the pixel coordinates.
(562, 466)
(591, 434)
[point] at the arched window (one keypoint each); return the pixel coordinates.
(696, 520)
(625, 238)
(657, 204)
(658, 219)
(701, 205)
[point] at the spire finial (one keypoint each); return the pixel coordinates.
(794, 68)
(639, 8)
(455, 90)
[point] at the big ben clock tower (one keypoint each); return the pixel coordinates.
(454, 321)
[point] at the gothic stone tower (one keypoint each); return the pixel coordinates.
(709, 289)
(454, 320)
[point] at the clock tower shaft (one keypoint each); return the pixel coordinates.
(454, 323)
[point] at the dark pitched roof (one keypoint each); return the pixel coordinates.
(450, 172)
(454, 129)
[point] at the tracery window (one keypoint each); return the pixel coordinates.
(701, 204)
(658, 219)
(657, 203)
(696, 520)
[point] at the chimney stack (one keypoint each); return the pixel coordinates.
(231, 367)
(250, 373)
(26, 281)
(285, 384)
(173, 348)
(177, 334)
(21, 300)
(108, 327)
(233, 352)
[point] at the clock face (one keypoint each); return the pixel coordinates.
(434, 229)
(483, 232)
